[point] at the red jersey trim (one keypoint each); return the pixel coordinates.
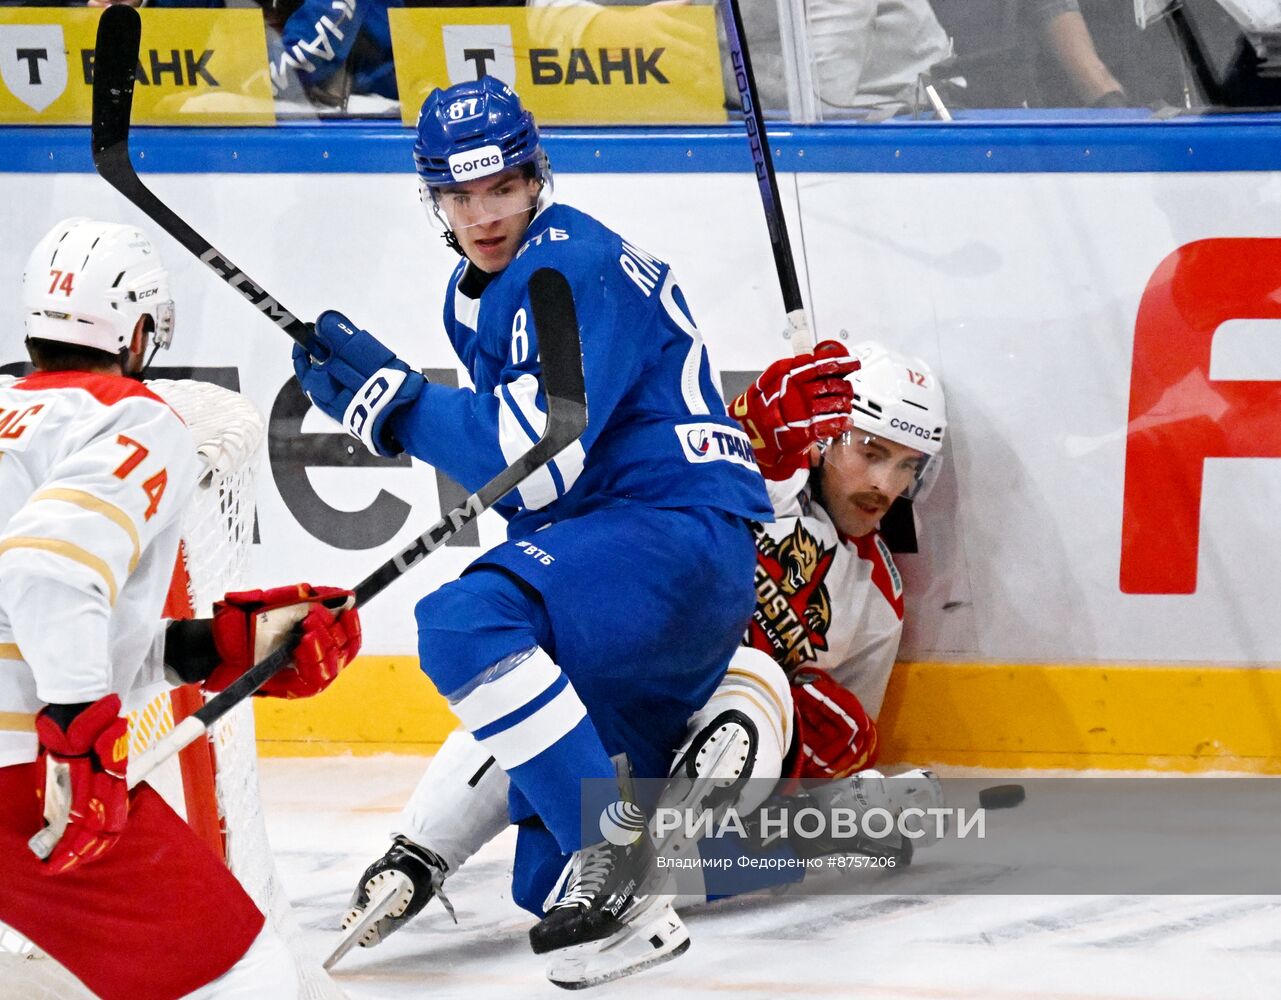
(106, 389)
(884, 572)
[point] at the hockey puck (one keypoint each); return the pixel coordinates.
(1001, 796)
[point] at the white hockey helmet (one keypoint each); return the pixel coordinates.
(899, 398)
(88, 282)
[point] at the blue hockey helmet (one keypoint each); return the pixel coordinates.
(472, 130)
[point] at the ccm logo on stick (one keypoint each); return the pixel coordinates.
(1179, 416)
(476, 162)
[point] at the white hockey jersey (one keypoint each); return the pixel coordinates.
(95, 471)
(824, 600)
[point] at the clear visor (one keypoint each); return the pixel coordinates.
(453, 208)
(894, 469)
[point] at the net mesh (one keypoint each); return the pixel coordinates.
(217, 530)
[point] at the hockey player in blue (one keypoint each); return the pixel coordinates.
(610, 614)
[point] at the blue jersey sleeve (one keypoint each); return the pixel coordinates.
(317, 39)
(473, 434)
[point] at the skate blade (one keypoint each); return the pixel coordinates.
(719, 773)
(387, 900)
(658, 939)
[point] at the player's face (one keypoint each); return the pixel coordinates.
(861, 475)
(489, 215)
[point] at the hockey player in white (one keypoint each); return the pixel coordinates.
(838, 438)
(95, 471)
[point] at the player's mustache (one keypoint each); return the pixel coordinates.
(872, 498)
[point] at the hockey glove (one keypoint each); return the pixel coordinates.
(249, 625)
(834, 735)
(357, 381)
(81, 778)
(794, 404)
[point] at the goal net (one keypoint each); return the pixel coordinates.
(214, 783)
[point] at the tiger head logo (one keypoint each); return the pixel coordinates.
(798, 555)
(793, 610)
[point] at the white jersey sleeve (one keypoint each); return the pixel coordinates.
(785, 494)
(95, 471)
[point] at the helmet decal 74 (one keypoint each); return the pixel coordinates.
(88, 283)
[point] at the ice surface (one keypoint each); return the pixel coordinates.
(329, 817)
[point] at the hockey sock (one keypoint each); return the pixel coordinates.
(525, 712)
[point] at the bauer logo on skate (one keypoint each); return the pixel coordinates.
(709, 442)
(187, 58)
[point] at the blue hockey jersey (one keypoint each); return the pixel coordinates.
(657, 432)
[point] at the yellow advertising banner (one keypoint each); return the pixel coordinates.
(571, 65)
(195, 67)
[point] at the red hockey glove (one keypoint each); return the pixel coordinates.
(81, 778)
(834, 734)
(249, 625)
(794, 404)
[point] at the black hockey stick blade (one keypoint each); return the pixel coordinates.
(115, 61)
(560, 351)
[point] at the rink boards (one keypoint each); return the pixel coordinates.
(1097, 578)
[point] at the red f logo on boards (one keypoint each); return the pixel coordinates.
(1179, 416)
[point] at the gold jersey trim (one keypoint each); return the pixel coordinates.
(68, 551)
(96, 505)
(17, 722)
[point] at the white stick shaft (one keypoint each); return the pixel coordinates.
(182, 735)
(798, 329)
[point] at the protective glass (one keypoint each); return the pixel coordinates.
(912, 476)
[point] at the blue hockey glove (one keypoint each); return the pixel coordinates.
(357, 381)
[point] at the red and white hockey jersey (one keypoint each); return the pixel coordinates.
(95, 471)
(824, 600)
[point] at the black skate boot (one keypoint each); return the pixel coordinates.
(604, 925)
(399, 885)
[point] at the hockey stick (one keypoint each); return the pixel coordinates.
(758, 141)
(115, 61)
(118, 40)
(556, 321)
